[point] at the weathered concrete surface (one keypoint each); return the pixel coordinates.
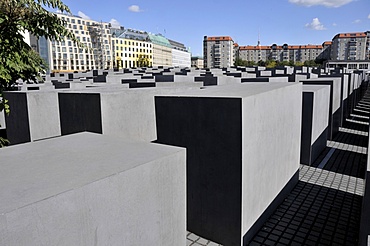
(90, 189)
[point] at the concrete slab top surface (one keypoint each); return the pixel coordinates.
(123, 89)
(36, 171)
(314, 88)
(321, 79)
(235, 90)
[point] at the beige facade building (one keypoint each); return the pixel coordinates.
(197, 62)
(162, 50)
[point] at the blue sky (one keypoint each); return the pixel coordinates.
(277, 21)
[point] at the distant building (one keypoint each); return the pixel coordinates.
(218, 52)
(66, 56)
(349, 65)
(254, 53)
(326, 51)
(344, 46)
(107, 47)
(197, 62)
(180, 54)
(162, 50)
(131, 48)
(351, 46)
(285, 52)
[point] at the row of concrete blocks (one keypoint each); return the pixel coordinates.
(242, 155)
(152, 77)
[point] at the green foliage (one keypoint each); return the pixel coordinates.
(310, 63)
(17, 59)
(3, 142)
(143, 61)
(261, 63)
(298, 64)
(270, 63)
(244, 63)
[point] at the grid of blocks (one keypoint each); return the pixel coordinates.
(180, 156)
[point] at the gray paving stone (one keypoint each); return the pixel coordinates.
(202, 241)
(192, 237)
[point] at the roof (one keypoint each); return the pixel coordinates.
(159, 39)
(250, 47)
(133, 34)
(291, 47)
(350, 35)
(220, 38)
(176, 44)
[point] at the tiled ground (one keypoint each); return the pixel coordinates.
(194, 240)
(324, 208)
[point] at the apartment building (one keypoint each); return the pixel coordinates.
(254, 53)
(96, 37)
(180, 54)
(280, 53)
(351, 46)
(106, 47)
(218, 52)
(326, 51)
(131, 48)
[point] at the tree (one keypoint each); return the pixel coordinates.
(244, 63)
(261, 63)
(310, 63)
(298, 64)
(270, 63)
(239, 62)
(17, 59)
(143, 61)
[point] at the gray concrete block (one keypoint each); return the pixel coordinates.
(278, 79)
(127, 113)
(243, 144)
(89, 189)
(315, 121)
(335, 109)
(34, 116)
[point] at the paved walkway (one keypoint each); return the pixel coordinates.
(325, 206)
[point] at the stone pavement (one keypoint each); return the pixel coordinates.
(194, 240)
(325, 206)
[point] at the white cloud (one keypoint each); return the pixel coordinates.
(334, 24)
(134, 8)
(83, 15)
(115, 23)
(368, 16)
(326, 3)
(356, 21)
(315, 25)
